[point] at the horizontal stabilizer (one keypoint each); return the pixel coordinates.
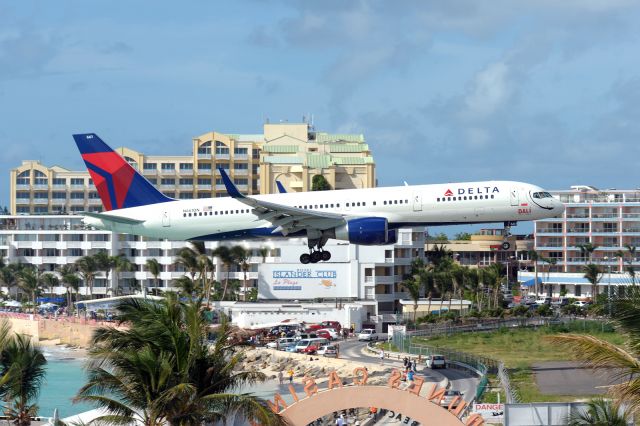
(116, 219)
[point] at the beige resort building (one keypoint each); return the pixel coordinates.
(292, 153)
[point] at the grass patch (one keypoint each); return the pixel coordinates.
(519, 348)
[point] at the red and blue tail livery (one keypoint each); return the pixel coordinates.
(119, 185)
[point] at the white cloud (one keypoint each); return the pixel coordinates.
(490, 91)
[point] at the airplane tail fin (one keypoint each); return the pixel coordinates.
(119, 185)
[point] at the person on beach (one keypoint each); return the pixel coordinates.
(290, 374)
(280, 377)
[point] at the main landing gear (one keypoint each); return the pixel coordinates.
(506, 245)
(316, 253)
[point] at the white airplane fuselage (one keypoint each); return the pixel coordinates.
(420, 205)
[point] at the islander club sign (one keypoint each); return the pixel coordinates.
(413, 409)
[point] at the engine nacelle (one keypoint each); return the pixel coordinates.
(367, 231)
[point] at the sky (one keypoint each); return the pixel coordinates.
(540, 91)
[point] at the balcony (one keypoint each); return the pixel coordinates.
(548, 231)
(185, 186)
(152, 172)
(40, 201)
(203, 187)
(185, 172)
(168, 171)
(77, 201)
(59, 201)
(631, 216)
(241, 157)
(59, 186)
(578, 230)
(77, 186)
(95, 201)
(23, 200)
(204, 156)
(604, 216)
(23, 186)
(222, 156)
(240, 172)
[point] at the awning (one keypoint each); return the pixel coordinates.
(531, 282)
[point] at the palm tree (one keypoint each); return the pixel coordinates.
(23, 371)
(88, 269)
(29, 280)
(104, 263)
(599, 412)
(241, 257)
(8, 276)
(121, 264)
(413, 287)
(264, 252)
(71, 281)
(427, 280)
(226, 257)
(630, 269)
(186, 285)
(161, 370)
(593, 274)
(50, 281)
(155, 268)
(535, 257)
(187, 259)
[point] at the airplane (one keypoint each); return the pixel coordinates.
(132, 205)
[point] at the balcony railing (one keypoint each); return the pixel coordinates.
(578, 216)
(578, 230)
(604, 215)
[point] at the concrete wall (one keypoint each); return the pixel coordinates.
(68, 332)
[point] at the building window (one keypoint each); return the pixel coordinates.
(186, 195)
(168, 166)
(22, 209)
(240, 166)
(186, 166)
(167, 181)
(240, 151)
(150, 166)
(58, 195)
(221, 148)
(93, 195)
(205, 148)
(133, 163)
(186, 181)
(59, 181)
(204, 166)
(240, 181)
(153, 180)
(255, 154)
(204, 181)
(77, 195)
(577, 291)
(77, 181)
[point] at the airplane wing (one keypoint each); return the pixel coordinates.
(111, 218)
(285, 219)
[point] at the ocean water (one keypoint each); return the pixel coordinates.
(65, 376)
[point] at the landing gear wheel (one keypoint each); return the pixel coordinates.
(325, 255)
(305, 258)
(316, 257)
(506, 245)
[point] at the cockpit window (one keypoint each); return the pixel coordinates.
(541, 195)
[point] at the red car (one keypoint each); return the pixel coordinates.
(313, 327)
(310, 350)
(324, 334)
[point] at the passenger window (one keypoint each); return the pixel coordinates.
(492, 197)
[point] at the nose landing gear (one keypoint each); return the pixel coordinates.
(506, 245)
(316, 253)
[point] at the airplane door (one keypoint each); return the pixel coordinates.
(166, 221)
(417, 202)
(515, 201)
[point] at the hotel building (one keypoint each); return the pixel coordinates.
(607, 219)
(290, 153)
(370, 276)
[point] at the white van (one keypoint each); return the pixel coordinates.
(281, 342)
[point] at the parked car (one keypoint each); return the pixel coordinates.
(280, 342)
(328, 350)
(324, 334)
(291, 347)
(563, 301)
(367, 334)
(302, 336)
(543, 301)
(311, 349)
(303, 344)
(581, 304)
(333, 334)
(436, 361)
(449, 396)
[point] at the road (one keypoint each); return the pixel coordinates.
(458, 379)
